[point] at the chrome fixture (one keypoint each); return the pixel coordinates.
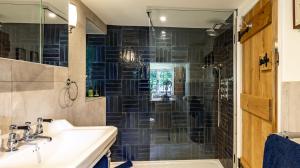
(218, 26)
(13, 139)
(28, 135)
(69, 83)
(39, 126)
(211, 32)
(217, 67)
(225, 88)
(150, 20)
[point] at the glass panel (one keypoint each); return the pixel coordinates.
(21, 35)
(161, 85)
(20, 30)
(55, 32)
(191, 51)
(95, 60)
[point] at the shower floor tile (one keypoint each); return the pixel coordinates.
(175, 164)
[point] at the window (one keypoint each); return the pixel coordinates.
(161, 80)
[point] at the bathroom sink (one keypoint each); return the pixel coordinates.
(297, 140)
(71, 147)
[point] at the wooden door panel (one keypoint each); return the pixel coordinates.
(253, 146)
(247, 144)
(257, 106)
(258, 100)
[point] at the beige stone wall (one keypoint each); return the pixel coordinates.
(290, 110)
(85, 112)
(30, 90)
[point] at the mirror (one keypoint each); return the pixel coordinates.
(94, 88)
(34, 31)
(20, 30)
(55, 32)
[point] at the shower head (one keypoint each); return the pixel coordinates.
(215, 30)
(211, 32)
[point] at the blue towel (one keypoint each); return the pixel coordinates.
(103, 163)
(127, 164)
(281, 153)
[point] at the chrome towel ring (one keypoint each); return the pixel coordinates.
(69, 84)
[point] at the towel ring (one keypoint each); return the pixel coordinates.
(69, 84)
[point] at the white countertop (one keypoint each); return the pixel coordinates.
(71, 147)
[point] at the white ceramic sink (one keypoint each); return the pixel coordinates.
(297, 140)
(71, 147)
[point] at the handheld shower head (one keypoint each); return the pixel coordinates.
(204, 66)
(214, 66)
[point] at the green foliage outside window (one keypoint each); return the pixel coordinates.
(157, 80)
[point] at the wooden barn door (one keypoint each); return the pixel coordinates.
(258, 99)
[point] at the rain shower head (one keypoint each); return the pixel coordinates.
(214, 31)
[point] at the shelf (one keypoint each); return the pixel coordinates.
(88, 99)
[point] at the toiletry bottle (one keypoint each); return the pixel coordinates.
(90, 92)
(96, 93)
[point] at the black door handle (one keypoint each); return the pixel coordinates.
(264, 60)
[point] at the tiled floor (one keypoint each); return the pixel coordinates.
(175, 164)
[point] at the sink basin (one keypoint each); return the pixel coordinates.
(71, 147)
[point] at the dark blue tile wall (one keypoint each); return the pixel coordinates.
(155, 130)
(55, 50)
(223, 51)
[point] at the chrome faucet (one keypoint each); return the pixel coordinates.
(40, 130)
(13, 139)
(28, 135)
(39, 126)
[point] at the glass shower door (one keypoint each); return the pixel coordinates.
(184, 82)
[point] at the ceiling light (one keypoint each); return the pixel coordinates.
(163, 18)
(52, 15)
(72, 16)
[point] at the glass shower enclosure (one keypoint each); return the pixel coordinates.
(190, 68)
(169, 86)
